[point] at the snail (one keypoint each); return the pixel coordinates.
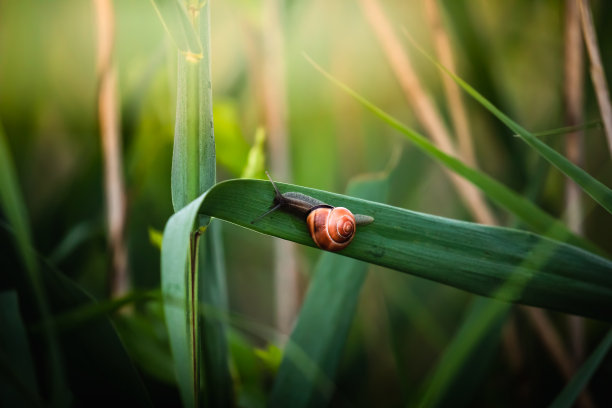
(331, 228)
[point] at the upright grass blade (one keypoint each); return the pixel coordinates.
(180, 290)
(18, 386)
(530, 269)
(174, 15)
(186, 276)
(568, 396)
(324, 322)
(532, 215)
(193, 159)
(218, 384)
(593, 187)
(14, 209)
(180, 301)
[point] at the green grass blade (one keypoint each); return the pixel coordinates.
(476, 258)
(14, 209)
(532, 215)
(324, 322)
(18, 386)
(568, 396)
(179, 306)
(593, 187)
(193, 156)
(97, 365)
(464, 362)
(212, 295)
(174, 15)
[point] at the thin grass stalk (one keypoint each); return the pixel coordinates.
(552, 341)
(597, 71)
(274, 92)
(456, 106)
(424, 108)
(15, 212)
(108, 112)
(573, 100)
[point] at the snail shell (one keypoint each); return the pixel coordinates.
(331, 228)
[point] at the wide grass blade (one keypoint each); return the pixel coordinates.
(532, 215)
(507, 264)
(593, 187)
(568, 396)
(18, 386)
(174, 15)
(14, 209)
(324, 322)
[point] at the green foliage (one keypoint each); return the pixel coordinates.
(324, 322)
(503, 263)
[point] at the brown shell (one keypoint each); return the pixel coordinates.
(331, 229)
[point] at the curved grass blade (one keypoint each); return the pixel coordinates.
(532, 215)
(593, 187)
(182, 282)
(175, 18)
(568, 396)
(511, 265)
(324, 322)
(14, 209)
(179, 303)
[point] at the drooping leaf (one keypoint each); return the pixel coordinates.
(504, 263)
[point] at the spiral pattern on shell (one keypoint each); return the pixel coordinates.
(331, 229)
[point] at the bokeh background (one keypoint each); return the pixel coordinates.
(512, 52)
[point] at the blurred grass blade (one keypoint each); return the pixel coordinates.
(568, 396)
(532, 215)
(568, 129)
(212, 295)
(14, 209)
(593, 187)
(324, 322)
(97, 365)
(174, 15)
(477, 258)
(256, 160)
(463, 365)
(18, 386)
(193, 155)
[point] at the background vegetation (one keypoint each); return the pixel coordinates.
(512, 52)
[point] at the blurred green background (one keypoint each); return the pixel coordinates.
(512, 52)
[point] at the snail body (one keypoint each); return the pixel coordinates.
(331, 228)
